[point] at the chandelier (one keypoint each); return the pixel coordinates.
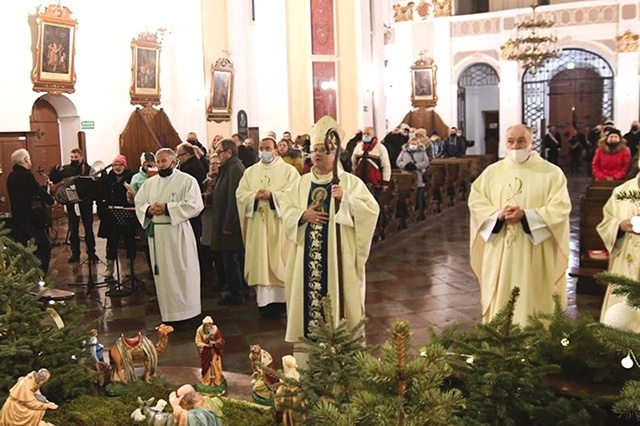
(533, 43)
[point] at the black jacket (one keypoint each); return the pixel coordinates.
(194, 167)
(23, 189)
(225, 208)
(69, 170)
(247, 155)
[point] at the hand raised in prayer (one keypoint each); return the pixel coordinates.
(514, 214)
(337, 192)
(312, 215)
(263, 194)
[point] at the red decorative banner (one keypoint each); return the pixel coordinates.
(322, 29)
(325, 92)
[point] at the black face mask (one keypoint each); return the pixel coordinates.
(165, 172)
(75, 163)
(634, 128)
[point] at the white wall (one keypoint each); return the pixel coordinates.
(479, 99)
(103, 67)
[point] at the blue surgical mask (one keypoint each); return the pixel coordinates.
(366, 138)
(413, 147)
(266, 157)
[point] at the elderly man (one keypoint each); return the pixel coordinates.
(311, 220)
(164, 205)
(371, 161)
(259, 197)
(199, 150)
(226, 235)
(25, 404)
(28, 222)
(520, 230)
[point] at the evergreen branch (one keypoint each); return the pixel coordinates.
(632, 196)
(622, 286)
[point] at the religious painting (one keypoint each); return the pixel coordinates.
(423, 84)
(54, 70)
(145, 70)
(221, 91)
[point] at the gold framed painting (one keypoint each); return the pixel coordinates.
(54, 70)
(145, 70)
(219, 109)
(423, 84)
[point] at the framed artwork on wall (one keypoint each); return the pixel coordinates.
(221, 91)
(423, 83)
(145, 70)
(54, 70)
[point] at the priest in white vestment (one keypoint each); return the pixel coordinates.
(310, 221)
(164, 205)
(623, 245)
(519, 210)
(259, 197)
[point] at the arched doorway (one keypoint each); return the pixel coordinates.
(478, 106)
(573, 89)
(45, 147)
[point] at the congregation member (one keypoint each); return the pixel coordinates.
(553, 144)
(620, 240)
(200, 151)
(633, 138)
(438, 145)
(414, 159)
(421, 135)
(455, 146)
(113, 193)
(577, 143)
(247, 154)
(29, 222)
(164, 205)
(310, 222)
(259, 198)
(612, 158)
(370, 162)
(394, 141)
(290, 155)
(520, 230)
(77, 211)
(147, 169)
(211, 256)
(226, 235)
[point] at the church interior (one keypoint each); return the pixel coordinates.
(159, 70)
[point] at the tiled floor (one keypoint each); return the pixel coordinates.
(422, 275)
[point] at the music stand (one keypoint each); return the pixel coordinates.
(123, 216)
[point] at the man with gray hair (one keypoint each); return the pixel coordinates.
(164, 205)
(25, 404)
(29, 203)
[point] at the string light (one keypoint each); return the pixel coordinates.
(627, 362)
(564, 342)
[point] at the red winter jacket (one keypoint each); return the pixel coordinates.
(611, 164)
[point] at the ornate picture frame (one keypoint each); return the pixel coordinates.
(423, 84)
(145, 70)
(54, 70)
(219, 109)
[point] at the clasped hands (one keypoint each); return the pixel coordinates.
(511, 214)
(157, 209)
(263, 194)
(317, 217)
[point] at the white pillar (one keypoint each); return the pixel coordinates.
(510, 100)
(378, 105)
(627, 88)
(271, 71)
(446, 88)
(398, 73)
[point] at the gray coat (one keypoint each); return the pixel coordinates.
(419, 158)
(224, 207)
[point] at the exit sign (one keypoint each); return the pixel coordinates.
(87, 125)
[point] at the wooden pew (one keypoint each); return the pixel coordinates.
(388, 207)
(407, 195)
(438, 185)
(591, 204)
(453, 181)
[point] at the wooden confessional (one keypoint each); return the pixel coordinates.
(428, 119)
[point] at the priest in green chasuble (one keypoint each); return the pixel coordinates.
(519, 210)
(623, 245)
(310, 222)
(259, 197)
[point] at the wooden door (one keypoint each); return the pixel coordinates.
(44, 141)
(491, 131)
(575, 98)
(9, 142)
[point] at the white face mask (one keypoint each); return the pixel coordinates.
(518, 156)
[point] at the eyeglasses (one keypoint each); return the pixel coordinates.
(181, 154)
(220, 151)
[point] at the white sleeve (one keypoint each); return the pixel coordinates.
(486, 230)
(539, 229)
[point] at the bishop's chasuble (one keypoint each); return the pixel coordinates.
(624, 250)
(172, 244)
(312, 267)
(503, 255)
(266, 248)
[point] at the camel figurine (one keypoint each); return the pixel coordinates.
(126, 350)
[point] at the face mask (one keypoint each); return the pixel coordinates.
(518, 156)
(75, 163)
(366, 138)
(266, 157)
(165, 172)
(413, 147)
(634, 128)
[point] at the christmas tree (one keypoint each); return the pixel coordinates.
(29, 339)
